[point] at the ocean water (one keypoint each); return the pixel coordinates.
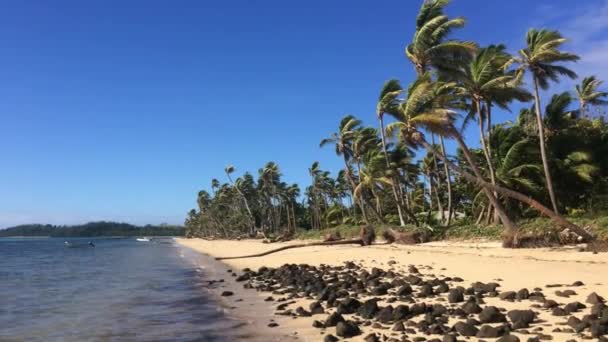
(121, 290)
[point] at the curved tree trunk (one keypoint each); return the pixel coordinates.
(510, 225)
(522, 198)
(448, 176)
(543, 154)
(438, 183)
(352, 190)
(486, 152)
(244, 200)
(395, 179)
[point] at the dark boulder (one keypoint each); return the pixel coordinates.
(456, 295)
(523, 318)
(316, 308)
(465, 329)
(488, 331)
(369, 308)
(594, 298)
(348, 306)
(347, 329)
(333, 319)
(508, 296)
(491, 314)
(385, 315)
(330, 338)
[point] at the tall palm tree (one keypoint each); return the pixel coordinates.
(314, 172)
(387, 102)
(588, 93)
(430, 47)
(484, 81)
(343, 141)
(229, 170)
(539, 57)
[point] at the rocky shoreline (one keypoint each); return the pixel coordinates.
(464, 291)
(393, 305)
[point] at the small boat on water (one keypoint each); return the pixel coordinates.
(143, 239)
(79, 245)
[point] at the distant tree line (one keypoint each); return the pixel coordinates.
(93, 229)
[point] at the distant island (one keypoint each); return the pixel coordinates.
(92, 229)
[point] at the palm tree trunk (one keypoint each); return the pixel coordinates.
(352, 190)
(438, 182)
(486, 152)
(543, 154)
(489, 146)
(395, 179)
(448, 176)
(562, 222)
(510, 225)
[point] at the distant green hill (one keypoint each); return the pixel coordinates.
(92, 229)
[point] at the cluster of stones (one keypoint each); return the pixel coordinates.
(348, 297)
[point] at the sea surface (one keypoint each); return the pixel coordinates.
(119, 290)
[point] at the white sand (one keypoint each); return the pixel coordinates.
(485, 262)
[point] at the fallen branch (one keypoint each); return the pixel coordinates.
(367, 237)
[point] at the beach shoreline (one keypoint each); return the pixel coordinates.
(472, 261)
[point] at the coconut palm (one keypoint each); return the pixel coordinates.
(388, 102)
(539, 57)
(428, 107)
(484, 81)
(229, 170)
(430, 47)
(588, 93)
(343, 141)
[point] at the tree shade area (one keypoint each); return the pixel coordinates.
(549, 160)
(92, 229)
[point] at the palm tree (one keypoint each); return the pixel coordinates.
(430, 46)
(228, 170)
(588, 93)
(387, 102)
(539, 58)
(428, 106)
(483, 82)
(343, 141)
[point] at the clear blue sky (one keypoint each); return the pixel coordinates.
(123, 110)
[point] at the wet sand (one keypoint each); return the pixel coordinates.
(483, 262)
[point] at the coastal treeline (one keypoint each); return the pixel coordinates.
(93, 229)
(549, 159)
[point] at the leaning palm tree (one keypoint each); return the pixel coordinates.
(388, 102)
(539, 57)
(228, 170)
(484, 81)
(588, 93)
(428, 106)
(343, 141)
(430, 47)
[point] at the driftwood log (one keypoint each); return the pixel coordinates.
(367, 236)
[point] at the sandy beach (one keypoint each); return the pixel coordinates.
(546, 270)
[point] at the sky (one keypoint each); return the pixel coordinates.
(124, 110)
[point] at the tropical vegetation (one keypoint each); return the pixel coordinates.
(550, 159)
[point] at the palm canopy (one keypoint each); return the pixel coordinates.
(429, 46)
(344, 137)
(542, 52)
(389, 97)
(429, 105)
(589, 94)
(485, 78)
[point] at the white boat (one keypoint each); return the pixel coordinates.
(143, 239)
